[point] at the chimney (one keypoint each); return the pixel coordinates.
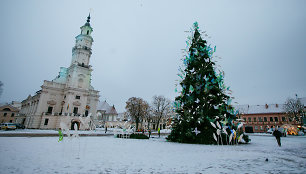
(276, 105)
(267, 106)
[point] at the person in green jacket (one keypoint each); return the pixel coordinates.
(158, 132)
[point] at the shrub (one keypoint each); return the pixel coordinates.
(139, 136)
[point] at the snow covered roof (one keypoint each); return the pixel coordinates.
(260, 109)
(104, 106)
(113, 110)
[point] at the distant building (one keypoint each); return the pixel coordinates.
(8, 113)
(16, 104)
(303, 101)
(68, 96)
(260, 118)
(107, 115)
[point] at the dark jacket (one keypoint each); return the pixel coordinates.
(277, 134)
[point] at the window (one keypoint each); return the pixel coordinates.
(4, 115)
(77, 97)
(261, 128)
(11, 121)
(271, 118)
(87, 32)
(86, 112)
(244, 119)
(283, 118)
(265, 119)
(256, 127)
(249, 119)
(50, 110)
(260, 119)
(276, 118)
(12, 115)
(254, 119)
(75, 110)
(46, 121)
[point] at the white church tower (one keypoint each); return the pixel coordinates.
(67, 97)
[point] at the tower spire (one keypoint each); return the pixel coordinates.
(88, 18)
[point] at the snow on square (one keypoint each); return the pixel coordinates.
(106, 154)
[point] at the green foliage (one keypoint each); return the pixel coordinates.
(202, 98)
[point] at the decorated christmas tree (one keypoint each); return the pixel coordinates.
(203, 108)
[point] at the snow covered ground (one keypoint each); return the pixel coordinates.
(156, 155)
(97, 131)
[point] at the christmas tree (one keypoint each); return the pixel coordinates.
(203, 108)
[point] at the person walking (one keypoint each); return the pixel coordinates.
(158, 132)
(277, 135)
(105, 129)
(149, 133)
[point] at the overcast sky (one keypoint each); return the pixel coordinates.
(137, 46)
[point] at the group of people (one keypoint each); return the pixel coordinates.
(150, 132)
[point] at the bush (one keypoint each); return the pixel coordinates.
(139, 136)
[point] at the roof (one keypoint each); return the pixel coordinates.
(104, 106)
(113, 110)
(11, 108)
(260, 109)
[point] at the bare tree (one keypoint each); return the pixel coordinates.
(149, 116)
(1, 84)
(294, 109)
(160, 108)
(137, 109)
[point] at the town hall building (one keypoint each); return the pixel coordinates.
(69, 97)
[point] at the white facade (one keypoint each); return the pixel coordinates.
(107, 115)
(67, 97)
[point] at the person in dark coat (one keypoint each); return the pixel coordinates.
(149, 133)
(277, 135)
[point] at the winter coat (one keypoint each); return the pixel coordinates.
(277, 134)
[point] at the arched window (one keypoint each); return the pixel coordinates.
(87, 32)
(80, 83)
(6, 109)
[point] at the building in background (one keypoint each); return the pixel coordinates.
(107, 115)
(303, 101)
(8, 113)
(260, 118)
(68, 96)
